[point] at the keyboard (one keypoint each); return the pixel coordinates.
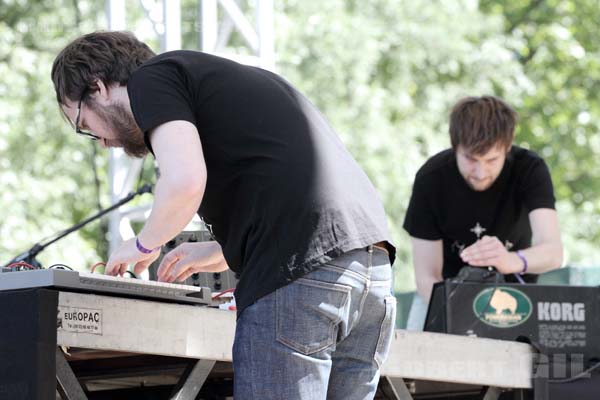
(105, 284)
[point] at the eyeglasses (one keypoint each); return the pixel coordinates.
(78, 130)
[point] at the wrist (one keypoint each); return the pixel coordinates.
(143, 249)
(523, 262)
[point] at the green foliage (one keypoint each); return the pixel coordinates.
(555, 42)
(45, 170)
(384, 72)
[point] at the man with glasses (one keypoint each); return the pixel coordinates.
(117, 119)
(291, 211)
(78, 130)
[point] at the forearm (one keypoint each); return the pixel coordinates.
(543, 256)
(540, 258)
(181, 186)
(425, 286)
(428, 263)
(174, 207)
(546, 252)
(218, 266)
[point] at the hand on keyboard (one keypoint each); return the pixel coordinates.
(126, 254)
(189, 258)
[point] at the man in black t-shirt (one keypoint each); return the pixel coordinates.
(291, 210)
(482, 203)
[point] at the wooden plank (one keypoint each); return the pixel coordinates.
(148, 327)
(460, 359)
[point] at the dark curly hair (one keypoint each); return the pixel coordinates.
(110, 57)
(480, 123)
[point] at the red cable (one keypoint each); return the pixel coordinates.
(96, 266)
(222, 293)
(21, 264)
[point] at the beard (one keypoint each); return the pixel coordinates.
(128, 134)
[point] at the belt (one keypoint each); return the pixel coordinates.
(382, 246)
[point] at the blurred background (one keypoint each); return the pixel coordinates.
(384, 72)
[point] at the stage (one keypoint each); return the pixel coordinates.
(123, 344)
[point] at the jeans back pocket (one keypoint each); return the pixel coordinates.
(386, 331)
(308, 312)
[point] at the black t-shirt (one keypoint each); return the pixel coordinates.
(283, 195)
(443, 206)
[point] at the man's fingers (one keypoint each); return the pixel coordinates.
(186, 274)
(167, 264)
(115, 269)
(123, 268)
(191, 269)
(481, 255)
(490, 242)
(141, 266)
(186, 268)
(112, 268)
(486, 253)
(479, 248)
(179, 270)
(478, 261)
(492, 245)
(108, 268)
(484, 261)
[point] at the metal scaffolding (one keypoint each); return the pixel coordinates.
(217, 20)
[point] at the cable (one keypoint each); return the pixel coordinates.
(60, 266)
(222, 293)
(101, 263)
(40, 246)
(100, 227)
(208, 229)
(95, 171)
(519, 279)
(576, 377)
(141, 179)
(21, 264)
(96, 266)
(133, 275)
(459, 280)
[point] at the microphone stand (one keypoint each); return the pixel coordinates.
(29, 255)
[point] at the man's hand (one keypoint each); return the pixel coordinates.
(490, 252)
(189, 258)
(127, 254)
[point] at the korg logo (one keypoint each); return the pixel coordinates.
(502, 307)
(553, 311)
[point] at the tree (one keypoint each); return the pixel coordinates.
(46, 171)
(386, 73)
(555, 42)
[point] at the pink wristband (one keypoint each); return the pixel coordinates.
(522, 257)
(142, 249)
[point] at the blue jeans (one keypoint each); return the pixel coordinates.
(323, 336)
